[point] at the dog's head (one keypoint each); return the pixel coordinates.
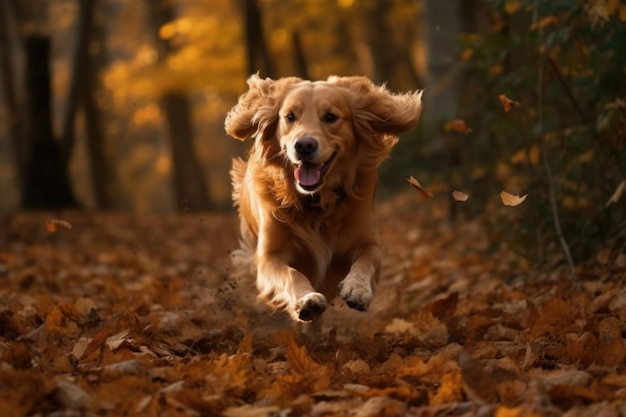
(323, 133)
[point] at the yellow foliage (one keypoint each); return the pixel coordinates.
(496, 69)
(532, 156)
(148, 114)
(511, 6)
(467, 54)
(163, 164)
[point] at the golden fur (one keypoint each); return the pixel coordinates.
(306, 193)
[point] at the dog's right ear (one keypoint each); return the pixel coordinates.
(243, 121)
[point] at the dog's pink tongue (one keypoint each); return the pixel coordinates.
(308, 174)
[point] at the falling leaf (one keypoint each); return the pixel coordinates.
(507, 103)
(459, 196)
(511, 199)
(415, 183)
(457, 125)
(52, 225)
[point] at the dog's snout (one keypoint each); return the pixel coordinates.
(306, 145)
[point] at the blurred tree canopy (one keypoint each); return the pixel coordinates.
(109, 104)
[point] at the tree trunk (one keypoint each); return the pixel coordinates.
(442, 26)
(298, 55)
(68, 135)
(258, 56)
(190, 186)
(9, 80)
(102, 174)
(47, 184)
(379, 43)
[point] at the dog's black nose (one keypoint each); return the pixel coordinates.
(305, 145)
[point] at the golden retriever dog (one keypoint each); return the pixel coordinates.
(306, 193)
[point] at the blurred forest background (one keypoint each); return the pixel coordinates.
(118, 105)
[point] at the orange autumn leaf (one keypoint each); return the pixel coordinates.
(450, 390)
(509, 199)
(415, 183)
(52, 225)
(545, 21)
(507, 103)
(459, 196)
(457, 125)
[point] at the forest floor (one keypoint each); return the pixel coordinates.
(128, 314)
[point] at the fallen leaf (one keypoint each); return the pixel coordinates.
(507, 103)
(511, 199)
(415, 183)
(459, 196)
(52, 225)
(116, 340)
(400, 326)
(457, 125)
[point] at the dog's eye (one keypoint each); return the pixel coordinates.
(291, 117)
(330, 117)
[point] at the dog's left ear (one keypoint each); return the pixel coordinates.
(378, 111)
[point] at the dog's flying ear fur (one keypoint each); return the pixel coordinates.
(379, 114)
(257, 109)
(379, 111)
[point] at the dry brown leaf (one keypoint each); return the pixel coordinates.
(507, 103)
(415, 183)
(457, 125)
(400, 326)
(52, 225)
(459, 196)
(509, 199)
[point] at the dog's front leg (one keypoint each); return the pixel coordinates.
(357, 288)
(283, 286)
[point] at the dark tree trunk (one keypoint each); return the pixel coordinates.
(382, 51)
(258, 56)
(15, 128)
(77, 80)
(47, 183)
(102, 174)
(190, 186)
(298, 55)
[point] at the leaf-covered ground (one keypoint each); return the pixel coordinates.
(143, 315)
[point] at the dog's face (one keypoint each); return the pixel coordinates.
(322, 132)
(315, 132)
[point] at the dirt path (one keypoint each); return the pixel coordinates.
(143, 315)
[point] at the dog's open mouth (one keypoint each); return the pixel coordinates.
(310, 176)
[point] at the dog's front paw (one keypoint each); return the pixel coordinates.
(310, 306)
(356, 293)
